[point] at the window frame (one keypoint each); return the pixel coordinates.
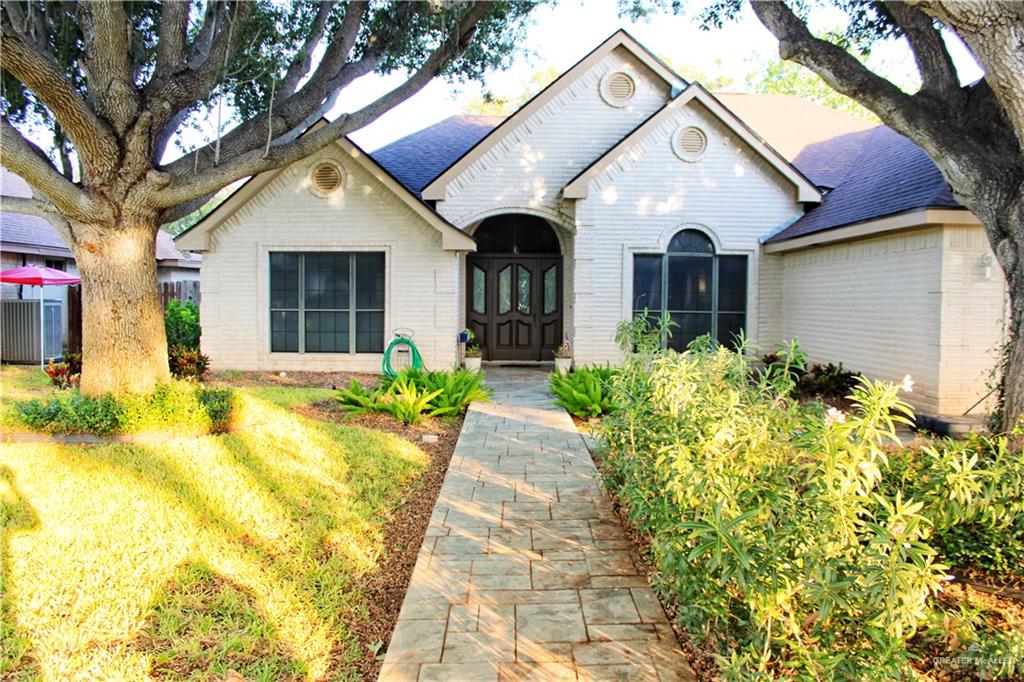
(715, 256)
(352, 311)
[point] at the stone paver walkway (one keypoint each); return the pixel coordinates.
(525, 571)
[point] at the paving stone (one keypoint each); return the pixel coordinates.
(416, 641)
(608, 606)
(606, 562)
(606, 653)
(554, 575)
(463, 617)
(550, 623)
(399, 672)
(648, 605)
(536, 672)
(459, 672)
(524, 572)
(528, 651)
(617, 673)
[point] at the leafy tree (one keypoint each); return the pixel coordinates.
(490, 104)
(775, 76)
(973, 132)
(114, 83)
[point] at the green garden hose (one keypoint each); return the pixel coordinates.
(414, 353)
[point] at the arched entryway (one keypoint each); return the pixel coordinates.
(514, 288)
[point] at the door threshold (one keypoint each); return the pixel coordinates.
(518, 363)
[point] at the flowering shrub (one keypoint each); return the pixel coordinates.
(795, 540)
(187, 363)
(62, 375)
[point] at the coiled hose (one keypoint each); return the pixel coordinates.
(414, 355)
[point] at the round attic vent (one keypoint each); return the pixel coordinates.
(325, 178)
(690, 143)
(617, 88)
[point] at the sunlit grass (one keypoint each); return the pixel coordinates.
(188, 557)
(20, 382)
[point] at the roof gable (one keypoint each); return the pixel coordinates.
(806, 191)
(196, 238)
(435, 190)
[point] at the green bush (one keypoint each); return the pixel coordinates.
(585, 392)
(187, 363)
(181, 323)
(177, 406)
(791, 539)
(72, 412)
(415, 393)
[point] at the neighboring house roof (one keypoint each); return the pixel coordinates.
(418, 158)
(435, 190)
(578, 187)
(790, 123)
(883, 173)
(452, 238)
(22, 233)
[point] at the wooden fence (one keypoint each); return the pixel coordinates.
(181, 291)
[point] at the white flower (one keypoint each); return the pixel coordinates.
(907, 386)
(834, 416)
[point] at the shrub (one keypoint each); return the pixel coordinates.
(72, 412)
(413, 393)
(62, 375)
(181, 323)
(585, 392)
(177, 406)
(791, 542)
(187, 363)
(830, 382)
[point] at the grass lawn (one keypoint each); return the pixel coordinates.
(186, 558)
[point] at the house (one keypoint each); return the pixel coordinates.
(617, 189)
(30, 240)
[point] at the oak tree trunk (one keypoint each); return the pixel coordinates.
(124, 347)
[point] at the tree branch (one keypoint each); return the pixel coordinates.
(25, 159)
(170, 50)
(304, 57)
(93, 139)
(111, 77)
(41, 209)
(938, 73)
(993, 31)
(182, 189)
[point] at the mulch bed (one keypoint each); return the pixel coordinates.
(299, 379)
(384, 588)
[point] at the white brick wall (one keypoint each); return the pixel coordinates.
(914, 302)
(641, 201)
(421, 289)
(974, 308)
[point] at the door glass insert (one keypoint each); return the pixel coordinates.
(479, 290)
(523, 290)
(550, 290)
(505, 290)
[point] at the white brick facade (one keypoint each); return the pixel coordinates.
(421, 278)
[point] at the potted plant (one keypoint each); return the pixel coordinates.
(563, 357)
(471, 358)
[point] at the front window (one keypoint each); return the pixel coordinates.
(327, 302)
(701, 291)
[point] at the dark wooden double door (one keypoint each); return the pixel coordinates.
(514, 305)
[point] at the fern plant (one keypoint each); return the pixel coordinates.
(584, 393)
(357, 399)
(409, 403)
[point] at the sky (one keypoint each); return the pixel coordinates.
(560, 35)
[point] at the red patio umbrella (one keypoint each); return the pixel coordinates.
(38, 276)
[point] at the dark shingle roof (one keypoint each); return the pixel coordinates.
(875, 173)
(418, 158)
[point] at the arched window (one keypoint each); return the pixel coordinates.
(702, 292)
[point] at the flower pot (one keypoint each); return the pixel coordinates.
(563, 365)
(472, 364)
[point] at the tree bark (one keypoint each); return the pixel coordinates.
(124, 347)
